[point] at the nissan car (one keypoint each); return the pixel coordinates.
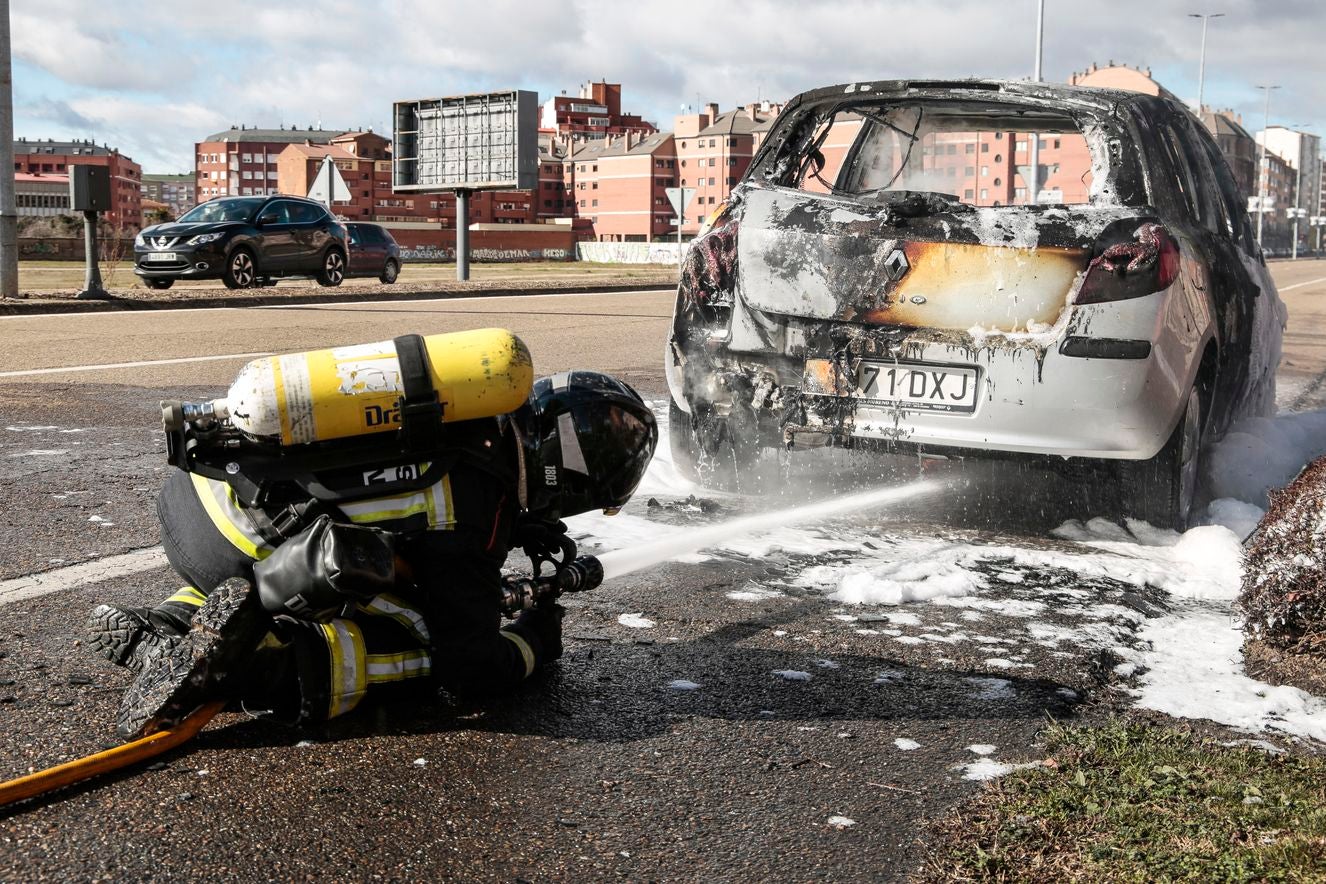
(978, 269)
(244, 241)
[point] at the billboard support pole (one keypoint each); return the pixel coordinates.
(463, 234)
(92, 285)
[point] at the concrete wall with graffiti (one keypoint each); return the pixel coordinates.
(627, 252)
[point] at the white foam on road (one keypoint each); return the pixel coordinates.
(74, 576)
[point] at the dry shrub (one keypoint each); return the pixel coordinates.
(1284, 578)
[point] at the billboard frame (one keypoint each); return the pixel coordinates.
(501, 128)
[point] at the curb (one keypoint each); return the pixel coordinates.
(52, 306)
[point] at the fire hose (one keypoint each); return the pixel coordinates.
(518, 593)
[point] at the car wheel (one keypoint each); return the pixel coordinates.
(715, 451)
(241, 272)
(390, 272)
(159, 283)
(1162, 490)
(332, 271)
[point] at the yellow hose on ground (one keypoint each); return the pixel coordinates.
(80, 769)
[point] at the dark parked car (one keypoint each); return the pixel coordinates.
(881, 278)
(244, 241)
(373, 252)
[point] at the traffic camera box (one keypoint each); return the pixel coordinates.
(89, 188)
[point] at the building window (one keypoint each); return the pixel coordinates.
(595, 186)
(970, 148)
(985, 194)
(1019, 192)
(967, 194)
(998, 158)
(999, 136)
(711, 182)
(985, 148)
(985, 170)
(247, 157)
(711, 161)
(595, 203)
(997, 182)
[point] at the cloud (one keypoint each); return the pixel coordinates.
(157, 76)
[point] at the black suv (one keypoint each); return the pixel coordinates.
(244, 241)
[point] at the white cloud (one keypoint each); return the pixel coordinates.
(169, 73)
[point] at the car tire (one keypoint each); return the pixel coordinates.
(390, 272)
(159, 284)
(686, 451)
(241, 270)
(716, 452)
(1162, 490)
(332, 270)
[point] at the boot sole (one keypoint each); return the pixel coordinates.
(122, 638)
(224, 631)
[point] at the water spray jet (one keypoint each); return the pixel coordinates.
(625, 561)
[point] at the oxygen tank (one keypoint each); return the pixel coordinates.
(351, 391)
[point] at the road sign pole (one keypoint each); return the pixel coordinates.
(8, 211)
(462, 235)
(679, 197)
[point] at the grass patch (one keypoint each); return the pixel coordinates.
(1133, 803)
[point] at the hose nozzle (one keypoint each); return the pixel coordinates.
(520, 593)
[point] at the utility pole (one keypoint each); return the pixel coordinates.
(8, 209)
(1201, 64)
(1035, 137)
(1261, 164)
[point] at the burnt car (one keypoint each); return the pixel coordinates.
(373, 252)
(884, 277)
(244, 241)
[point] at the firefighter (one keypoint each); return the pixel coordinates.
(411, 582)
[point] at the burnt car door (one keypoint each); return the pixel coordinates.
(275, 236)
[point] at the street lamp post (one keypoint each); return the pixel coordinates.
(1261, 164)
(1201, 63)
(1035, 137)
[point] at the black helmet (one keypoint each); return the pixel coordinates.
(588, 440)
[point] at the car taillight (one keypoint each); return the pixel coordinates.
(709, 271)
(1132, 268)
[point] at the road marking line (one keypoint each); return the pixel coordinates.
(148, 363)
(1299, 285)
(74, 576)
(332, 303)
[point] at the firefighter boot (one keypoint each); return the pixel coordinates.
(208, 663)
(128, 636)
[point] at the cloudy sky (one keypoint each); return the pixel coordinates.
(152, 78)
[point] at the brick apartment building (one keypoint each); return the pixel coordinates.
(50, 157)
(617, 187)
(175, 192)
(241, 161)
(713, 153)
(596, 113)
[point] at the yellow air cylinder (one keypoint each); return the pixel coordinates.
(350, 391)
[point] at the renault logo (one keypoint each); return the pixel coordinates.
(895, 265)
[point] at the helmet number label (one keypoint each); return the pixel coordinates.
(550, 475)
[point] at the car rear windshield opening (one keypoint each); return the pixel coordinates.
(975, 154)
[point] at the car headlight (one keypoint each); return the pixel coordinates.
(203, 238)
(139, 242)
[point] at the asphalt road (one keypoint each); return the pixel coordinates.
(600, 770)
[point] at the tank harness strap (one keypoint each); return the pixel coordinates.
(421, 412)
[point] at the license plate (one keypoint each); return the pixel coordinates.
(919, 386)
(161, 256)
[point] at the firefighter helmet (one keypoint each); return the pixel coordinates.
(588, 439)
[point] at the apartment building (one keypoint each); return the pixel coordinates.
(617, 187)
(1302, 151)
(175, 192)
(241, 161)
(714, 150)
(50, 157)
(595, 113)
